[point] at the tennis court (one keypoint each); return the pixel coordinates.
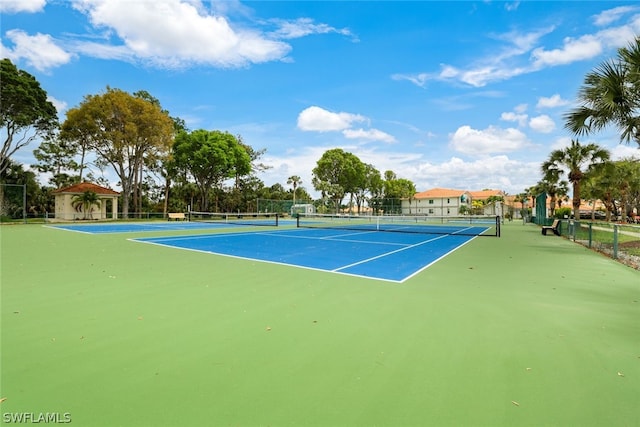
(392, 256)
(196, 223)
(517, 331)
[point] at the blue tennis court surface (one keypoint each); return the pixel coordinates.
(378, 255)
(133, 227)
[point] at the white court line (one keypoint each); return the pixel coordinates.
(389, 253)
(68, 229)
(337, 238)
(159, 241)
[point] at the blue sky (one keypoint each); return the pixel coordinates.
(458, 94)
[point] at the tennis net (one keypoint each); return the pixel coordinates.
(257, 218)
(462, 225)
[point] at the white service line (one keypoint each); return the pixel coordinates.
(390, 253)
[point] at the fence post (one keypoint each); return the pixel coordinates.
(615, 241)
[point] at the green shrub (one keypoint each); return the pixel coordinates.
(561, 212)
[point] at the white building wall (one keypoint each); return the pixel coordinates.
(436, 206)
(65, 209)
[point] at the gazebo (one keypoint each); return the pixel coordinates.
(67, 208)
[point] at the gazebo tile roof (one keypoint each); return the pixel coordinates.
(86, 186)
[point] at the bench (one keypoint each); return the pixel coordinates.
(177, 216)
(555, 227)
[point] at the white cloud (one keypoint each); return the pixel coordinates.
(622, 151)
(368, 134)
(481, 75)
(499, 66)
(173, 33)
(514, 117)
(519, 43)
(417, 79)
(611, 15)
(491, 140)
(521, 108)
(551, 102)
(39, 51)
(561, 143)
(587, 46)
(61, 106)
(103, 51)
(521, 54)
(616, 37)
(499, 172)
(303, 27)
(542, 124)
(511, 6)
(573, 50)
(17, 6)
(320, 120)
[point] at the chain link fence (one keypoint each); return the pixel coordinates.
(616, 240)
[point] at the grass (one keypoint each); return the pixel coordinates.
(524, 330)
(602, 235)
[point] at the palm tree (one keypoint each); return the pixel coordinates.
(295, 181)
(579, 160)
(87, 200)
(553, 186)
(610, 95)
(522, 198)
(497, 203)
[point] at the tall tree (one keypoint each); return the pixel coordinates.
(154, 160)
(56, 157)
(610, 95)
(523, 199)
(368, 184)
(396, 189)
(122, 130)
(25, 112)
(79, 137)
(210, 157)
(255, 156)
(576, 160)
(337, 173)
(294, 181)
(618, 186)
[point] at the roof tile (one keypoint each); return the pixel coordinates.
(86, 186)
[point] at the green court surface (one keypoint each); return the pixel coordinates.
(522, 330)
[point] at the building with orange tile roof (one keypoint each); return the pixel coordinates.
(490, 206)
(452, 202)
(437, 202)
(67, 208)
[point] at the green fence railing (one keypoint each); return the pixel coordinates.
(617, 240)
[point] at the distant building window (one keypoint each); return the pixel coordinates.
(448, 201)
(430, 201)
(430, 211)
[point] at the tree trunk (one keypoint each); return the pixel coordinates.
(140, 179)
(576, 200)
(166, 196)
(125, 182)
